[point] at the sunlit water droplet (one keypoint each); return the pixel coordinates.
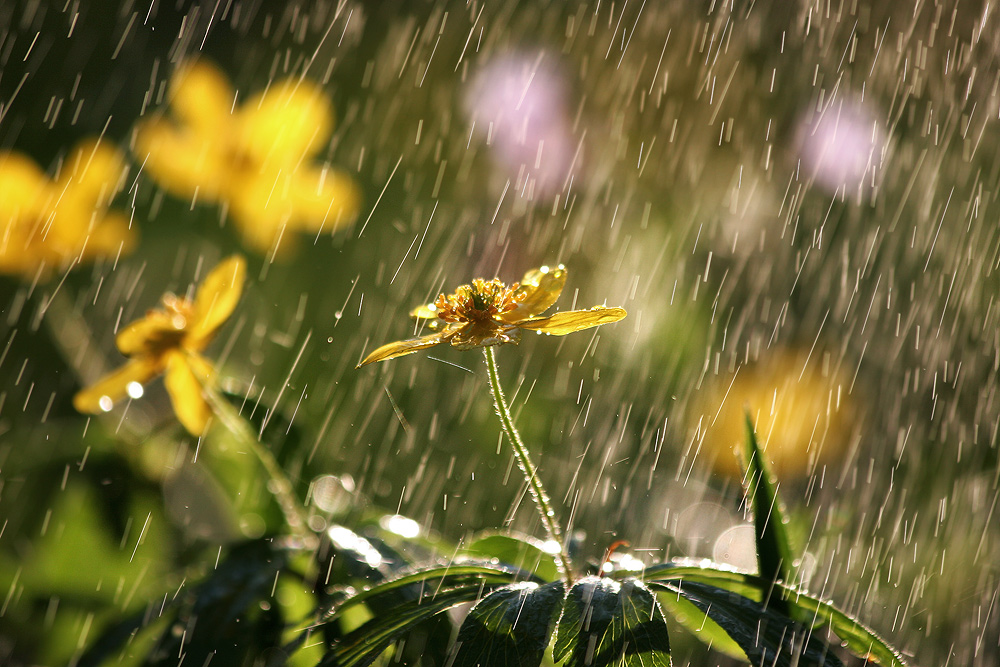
(105, 403)
(134, 390)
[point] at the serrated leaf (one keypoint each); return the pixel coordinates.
(521, 552)
(768, 638)
(401, 605)
(700, 626)
(510, 627)
(774, 552)
(364, 645)
(859, 639)
(609, 622)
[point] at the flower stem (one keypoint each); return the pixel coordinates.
(538, 494)
(279, 484)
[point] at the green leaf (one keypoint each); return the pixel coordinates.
(860, 639)
(364, 645)
(703, 628)
(509, 627)
(231, 616)
(607, 622)
(768, 638)
(520, 551)
(399, 606)
(774, 552)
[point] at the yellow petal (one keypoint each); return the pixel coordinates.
(92, 174)
(184, 162)
(100, 396)
(400, 348)
(561, 324)
(285, 123)
(185, 380)
(216, 299)
(538, 290)
(23, 187)
(152, 335)
(202, 98)
(110, 235)
(321, 199)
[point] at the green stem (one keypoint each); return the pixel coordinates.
(279, 484)
(538, 494)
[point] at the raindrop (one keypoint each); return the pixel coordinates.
(134, 390)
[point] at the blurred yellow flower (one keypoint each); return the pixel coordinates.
(802, 414)
(169, 341)
(254, 158)
(47, 224)
(488, 312)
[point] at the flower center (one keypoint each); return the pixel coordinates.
(481, 301)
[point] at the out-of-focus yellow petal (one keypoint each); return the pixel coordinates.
(23, 186)
(216, 299)
(155, 333)
(321, 199)
(561, 324)
(400, 348)
(183, 162)
(92, 174)
(185, 380)
(100, 396)
(202, 98)
(285, 123)
(539, 289)
(109, 236)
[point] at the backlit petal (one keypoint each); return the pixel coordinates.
(216, 299)
(321, 199)
(92, 174)
(561, 324)
(186, 163)
(538, 291)
(285, 123)
(152, 334)
(102, 394)
(401, 347)
(23, 187)
(185, 382)
(202, 99)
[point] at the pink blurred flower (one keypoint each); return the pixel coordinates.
(517, 103)
(841, 146)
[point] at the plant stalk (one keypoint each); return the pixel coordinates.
(538, 494)
(279, 484)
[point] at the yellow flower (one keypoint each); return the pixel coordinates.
(169, 341)
(802, 415)
(47, 224)
(488, 312)
(256, 158)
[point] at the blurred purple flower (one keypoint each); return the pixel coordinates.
(517, 102)
(841, 146)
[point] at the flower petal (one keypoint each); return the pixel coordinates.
(202, 98)
(92, 174)
(285, 123)
(401, 347)
(321, 199)
(561, 324)
(538, 291)
(184, 162)
(152, 334)
(100, 396)
(185, 381)
(216, 299)
(23, 187)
